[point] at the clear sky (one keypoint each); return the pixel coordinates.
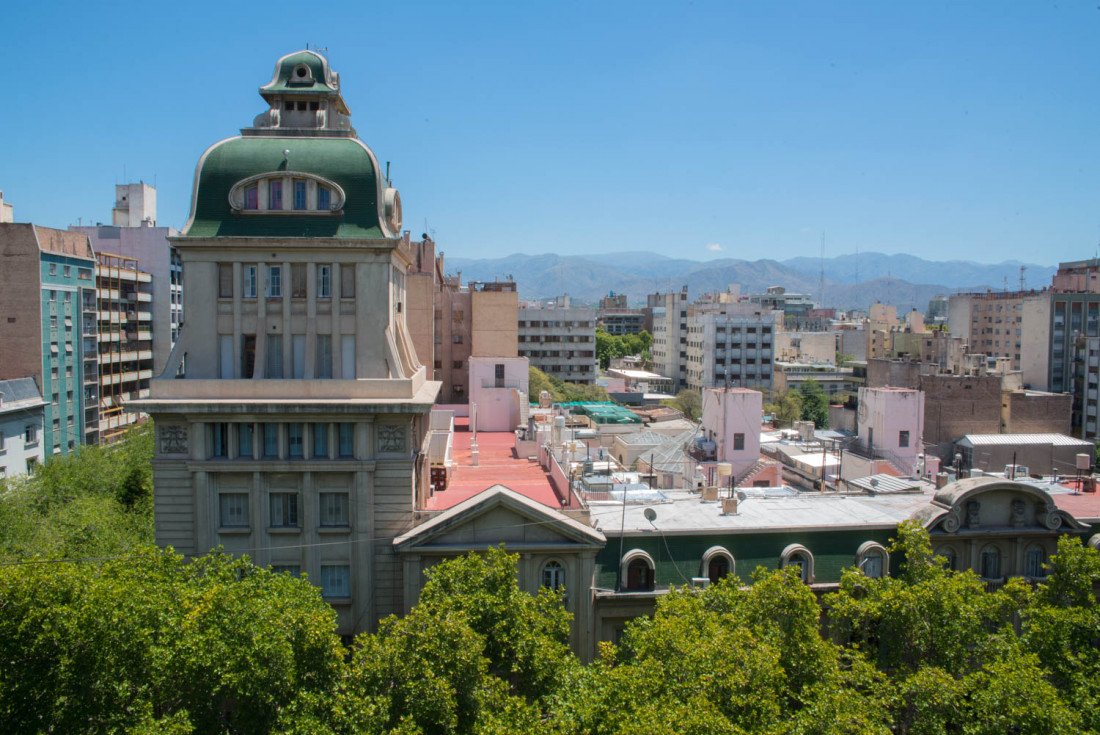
(698, 130)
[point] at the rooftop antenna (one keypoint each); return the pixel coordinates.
(822, 277)
(1022, 269)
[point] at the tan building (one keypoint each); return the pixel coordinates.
(1012, 324)
(298, 432)
(806, 346)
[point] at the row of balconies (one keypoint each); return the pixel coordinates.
(126, 377)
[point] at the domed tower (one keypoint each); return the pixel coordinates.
(291, 418)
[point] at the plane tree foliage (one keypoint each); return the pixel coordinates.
(559, 390)
(609, 346)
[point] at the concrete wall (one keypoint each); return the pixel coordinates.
(806, 346)
(959, 405)
(494, 330)
(891, 420)
(728, 412)
(499, 403)
(1035, 343)
(1033, 412)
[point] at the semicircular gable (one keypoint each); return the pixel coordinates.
(987, 503)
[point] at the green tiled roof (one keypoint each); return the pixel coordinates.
(284, 80)
(344, 161)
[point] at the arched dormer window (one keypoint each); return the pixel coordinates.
(873, 560)
(718, 563)
(553, 575)
(950, 558)
(798, 556)
(286, 193)
(637, 570)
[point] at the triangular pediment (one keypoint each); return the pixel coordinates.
(499, 515)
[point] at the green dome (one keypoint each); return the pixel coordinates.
(346, 162)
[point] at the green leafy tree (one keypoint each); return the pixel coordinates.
(688, 402)
(815, 404)
(150, 642)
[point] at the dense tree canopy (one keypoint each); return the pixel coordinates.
(150, 643)
(609, 346)
(688, 402)
(559, 390)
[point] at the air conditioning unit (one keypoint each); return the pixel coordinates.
(700, 583)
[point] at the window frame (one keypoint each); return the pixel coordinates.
(328, 519)
(242, 514)
(283, 509)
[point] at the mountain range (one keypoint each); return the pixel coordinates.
(850, 281)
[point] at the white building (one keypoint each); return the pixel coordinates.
(21, 416)
(731, 344)
(499, 389)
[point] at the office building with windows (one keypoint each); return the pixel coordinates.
(559, 340)
(291, 417)
(48, 326)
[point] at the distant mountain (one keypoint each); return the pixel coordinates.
(953, 273)
(588, 278)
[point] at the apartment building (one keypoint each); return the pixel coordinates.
(21, 421)
(559, 340)
(126, 358)
(731, 345)
(1011, 324)
(49, 326)
(1074, 315)
(796, 307)
(134, 235)
(668, 312)
(297, 432)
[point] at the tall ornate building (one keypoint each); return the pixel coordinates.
(296, 433)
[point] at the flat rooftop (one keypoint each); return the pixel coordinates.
(497, 465)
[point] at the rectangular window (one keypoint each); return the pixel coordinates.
(284, 510)
(275, 194)
(274, 281)
(219, 440)
(67, 271)
(248, 355)
(30, 434)
(335, 580)
(53, 269)
(347, 280)
(299, 194)
(298, 280)
(295, 440)
(252, 197)
(244, 440)
(334, 509)
(324, 199)
(324, 356)
(738, 442)
(225, 356)
(347, 357)
(234, 510)
(249, 281)
(271, 440)
(320, 440)
(298, 347)
(324, 281)
(346, 447)
(225, 280)
(903, 438)
(275, 356)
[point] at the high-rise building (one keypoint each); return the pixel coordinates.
(731, 345)
(48, 327)
(560, 341)
(297, 431)
(1010, 324)
(669, 313)
(135, 236)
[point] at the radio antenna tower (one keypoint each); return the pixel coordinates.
(1022, 282)
(821, 284)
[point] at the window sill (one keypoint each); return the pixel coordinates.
(334, 529)
(235, 530)
(284, 530)
(337, 600)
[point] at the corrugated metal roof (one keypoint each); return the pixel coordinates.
(1058, 440)
(877, 484)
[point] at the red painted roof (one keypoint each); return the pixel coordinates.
(497, 465)
(1085, 505)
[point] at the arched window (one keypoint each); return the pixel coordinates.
(798, 556)
(637, 571)
(991, 563)
(873, 560)
(553, 575)
(950, 558)
(717, 564)
(1034, 560)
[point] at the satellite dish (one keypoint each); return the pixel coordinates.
(650, 514)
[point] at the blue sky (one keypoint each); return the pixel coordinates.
(697, 130)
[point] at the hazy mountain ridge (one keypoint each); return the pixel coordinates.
(588, 278)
